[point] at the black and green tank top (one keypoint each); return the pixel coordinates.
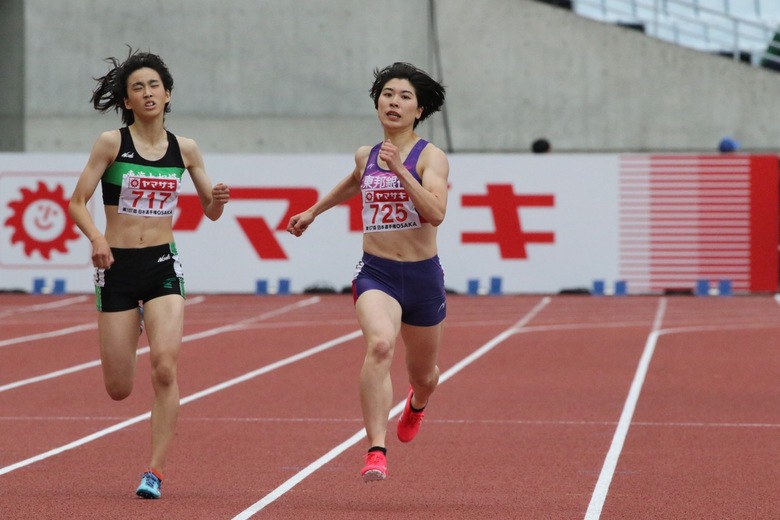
(142, 187)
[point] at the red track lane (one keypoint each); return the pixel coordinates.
(706, 436)
(521, 431)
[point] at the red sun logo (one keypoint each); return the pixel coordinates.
(40, 220)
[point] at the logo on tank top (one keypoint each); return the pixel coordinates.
(128, 155)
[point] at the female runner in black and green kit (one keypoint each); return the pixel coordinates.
(140, 169)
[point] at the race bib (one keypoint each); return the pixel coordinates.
(148, 196)
(388, 209)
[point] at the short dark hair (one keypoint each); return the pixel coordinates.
(430, 93)
(111, 89)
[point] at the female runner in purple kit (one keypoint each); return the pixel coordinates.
(399, 283)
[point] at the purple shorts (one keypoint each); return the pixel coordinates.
(417, 286)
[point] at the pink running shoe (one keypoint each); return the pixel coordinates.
(410, 421)
(376, 467)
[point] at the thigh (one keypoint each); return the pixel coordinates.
(118, 333)
(379, 316)
(422, 346)
(164, 325)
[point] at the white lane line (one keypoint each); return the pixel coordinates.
(145, 350)
(487, 347)
(216, 388)
(46, 335)
(273, 366)
(619, 438)
(50, 375)
(44, 306)
(68, 330)
(341, 448)
(325, 420)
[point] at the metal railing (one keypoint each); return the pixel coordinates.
(706, 25)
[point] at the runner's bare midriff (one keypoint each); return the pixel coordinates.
(409, 245)
(132, 231)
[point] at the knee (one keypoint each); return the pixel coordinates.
(164, 373)
(380, 351)
(428, 381)
(118, 391)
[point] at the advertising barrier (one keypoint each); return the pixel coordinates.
(516, 223)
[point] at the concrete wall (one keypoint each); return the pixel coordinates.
(281, 76)
(11, 75)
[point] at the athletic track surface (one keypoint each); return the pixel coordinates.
(550, 407)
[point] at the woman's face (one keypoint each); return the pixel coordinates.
(146, 95)
(397, 105)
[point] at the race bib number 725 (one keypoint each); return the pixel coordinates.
(388, 210)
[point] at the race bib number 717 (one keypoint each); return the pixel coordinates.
(148, 196)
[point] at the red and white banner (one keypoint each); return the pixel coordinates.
(686, 218)
(515, 223)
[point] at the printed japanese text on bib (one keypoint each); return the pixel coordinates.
(148, 196)
(386, 205)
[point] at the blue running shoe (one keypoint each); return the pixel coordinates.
(149, 486)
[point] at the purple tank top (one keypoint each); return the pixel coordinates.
(386, 205)
(372, 167)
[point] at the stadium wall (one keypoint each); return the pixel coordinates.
(276, 76)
